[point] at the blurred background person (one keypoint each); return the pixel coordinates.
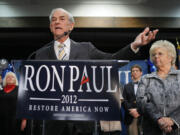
(129, 104)
(10, 82)
(158, 94)
(9, 125)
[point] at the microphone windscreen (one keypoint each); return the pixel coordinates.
(65, 33)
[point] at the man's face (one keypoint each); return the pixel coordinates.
(60, 23)
(136, 73)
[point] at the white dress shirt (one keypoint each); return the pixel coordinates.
(135, 88)
(66, 48)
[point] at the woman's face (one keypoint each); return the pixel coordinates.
(161, 58)
(10, 80)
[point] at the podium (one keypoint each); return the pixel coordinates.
(68, 90)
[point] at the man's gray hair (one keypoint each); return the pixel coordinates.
(71, 18)
(164, 44)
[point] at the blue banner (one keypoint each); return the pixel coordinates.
(68, 90)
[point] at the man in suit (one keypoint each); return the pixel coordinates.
(61, 24)
(129, 95)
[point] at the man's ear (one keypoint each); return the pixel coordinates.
(50, 27)
(141, 73)
(71, 26)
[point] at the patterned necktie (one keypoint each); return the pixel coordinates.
(61, 52)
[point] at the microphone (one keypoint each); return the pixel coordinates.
(49, 44)
(64, 34)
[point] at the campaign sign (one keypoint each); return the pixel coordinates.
(68, 90)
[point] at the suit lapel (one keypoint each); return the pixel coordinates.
(132, 87)
(52, 54)
(73, 51)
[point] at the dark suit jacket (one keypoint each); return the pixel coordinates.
(80, 51)
(85, 50)
(129, 101)
(9, 124)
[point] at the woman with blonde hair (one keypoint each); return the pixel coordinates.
(9, 124)
(158, 94)
(10, 82)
